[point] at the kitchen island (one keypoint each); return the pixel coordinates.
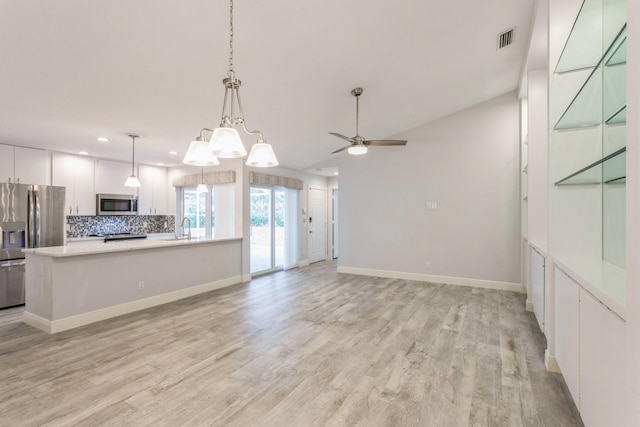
(74, 285)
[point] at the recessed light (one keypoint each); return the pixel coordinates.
(336, 173)
(160, 164)
(84, 153)
(173, 153)
(102, 139)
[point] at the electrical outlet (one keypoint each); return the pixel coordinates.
(427, 264)
(434, 205)
(140, 285)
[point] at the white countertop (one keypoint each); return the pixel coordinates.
(91, 247)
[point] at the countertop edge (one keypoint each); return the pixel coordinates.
(100, 247)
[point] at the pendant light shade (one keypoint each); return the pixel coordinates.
(357, 149)
(262, 156)
(201, 188)
(226, 143)
(199, 154)
(133, 181)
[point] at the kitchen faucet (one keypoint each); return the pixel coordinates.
(189, 224)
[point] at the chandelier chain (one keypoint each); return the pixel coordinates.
(231, 73)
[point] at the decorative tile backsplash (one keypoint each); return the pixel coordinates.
(85, 225)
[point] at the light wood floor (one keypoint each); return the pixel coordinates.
(308, 347)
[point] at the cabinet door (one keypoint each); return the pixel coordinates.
(111, 176)
(32, 166)
(6, 163)
(145, 194)
(567, 320)
(62, 174)
(602, 362)
(160, 191)
(536, 271)
(84, 192)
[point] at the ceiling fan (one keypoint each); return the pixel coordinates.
(359, 144)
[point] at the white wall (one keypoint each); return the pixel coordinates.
(467, 163)
(633, 213)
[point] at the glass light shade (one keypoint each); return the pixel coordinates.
(357, 149)
(226, 144)
(198, 154)
(262, 156)
(201, 188)
(132, 181)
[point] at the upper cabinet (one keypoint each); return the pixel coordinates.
(111, 176)
(76, 173)
(24, 165)
(152, 195)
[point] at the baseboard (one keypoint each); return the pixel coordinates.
(461, 281)
(303, 263)
(529, 305)
(551, 363)
(246, 278)
(59, 325)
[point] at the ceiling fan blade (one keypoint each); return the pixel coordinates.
(381, 142)
(346, 138)
(341, 149)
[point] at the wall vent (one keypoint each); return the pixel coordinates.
(506, 38)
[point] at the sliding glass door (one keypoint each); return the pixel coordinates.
(267, 229)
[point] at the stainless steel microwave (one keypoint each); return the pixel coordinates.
(116, 204)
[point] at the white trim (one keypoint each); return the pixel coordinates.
(529, 305)
(59, 325)
(246, 278)
(551, 363)
(461, 281)
(303, 263)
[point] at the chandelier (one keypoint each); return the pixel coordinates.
(225, 142)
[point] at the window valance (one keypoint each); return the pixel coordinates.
(224, 177)
(278, 181)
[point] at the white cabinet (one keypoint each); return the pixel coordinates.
(602, 361)
(6, 163)
(537, 273)
(24, 165)
(567, 321)
(590, 350)
(111, 176)
(77, 175)
(152, 199)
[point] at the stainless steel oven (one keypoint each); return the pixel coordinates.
(116, 204)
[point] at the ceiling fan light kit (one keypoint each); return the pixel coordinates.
(358, 143)
(225, 142)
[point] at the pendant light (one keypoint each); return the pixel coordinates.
(202, 188)
(225, 140)
(133, 181)
(198, 153)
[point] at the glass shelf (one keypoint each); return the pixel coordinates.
(610, 169)
(618, 116)
(589, 106)
(583, 48)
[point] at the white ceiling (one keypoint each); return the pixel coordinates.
(73, 70)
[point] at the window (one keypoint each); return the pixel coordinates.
(211, 213)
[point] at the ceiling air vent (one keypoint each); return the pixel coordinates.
(506, 38)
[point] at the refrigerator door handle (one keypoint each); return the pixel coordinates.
(36, 202)
(30, 220)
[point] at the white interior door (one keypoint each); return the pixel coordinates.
(334, 224)
(317, 224)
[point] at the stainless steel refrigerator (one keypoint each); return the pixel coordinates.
(31, 216)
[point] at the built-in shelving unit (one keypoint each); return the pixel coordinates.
(608, 170)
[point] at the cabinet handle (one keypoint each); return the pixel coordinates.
(9, 180)
(18, 180)
(70, 210)
(154, 211)
(149, 211)
(77, 210)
